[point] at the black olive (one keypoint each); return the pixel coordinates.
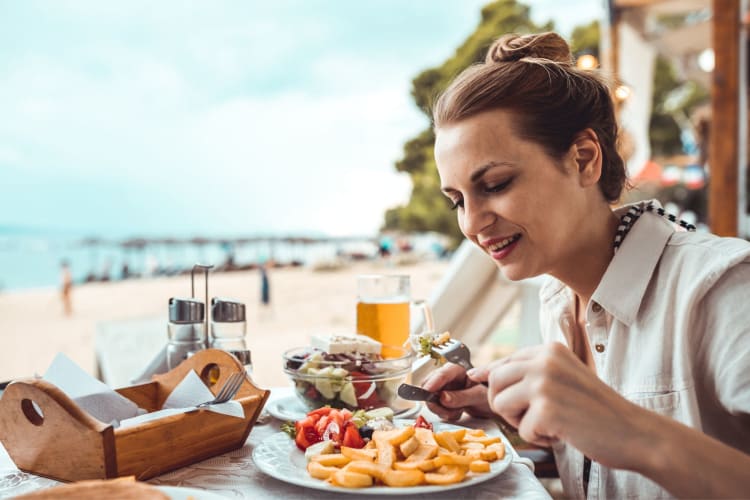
(295, 362)
(366, 432)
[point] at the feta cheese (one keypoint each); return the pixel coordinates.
(338, 344)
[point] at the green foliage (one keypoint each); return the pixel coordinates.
(585, 40)
(664, 132)
(427, 209)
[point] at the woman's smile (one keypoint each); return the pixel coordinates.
(499, 248)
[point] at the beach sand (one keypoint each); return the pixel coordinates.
(33, 328)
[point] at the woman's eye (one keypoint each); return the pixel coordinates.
(456, 203)
(496, 188)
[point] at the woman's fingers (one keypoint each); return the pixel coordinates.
(536, 427)
(508, 374)
(481, 374)
(455, 397)
(511, 403)
(445, 413)
(449, 375)
(473, 396)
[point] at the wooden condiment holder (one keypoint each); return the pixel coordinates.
(66, 443)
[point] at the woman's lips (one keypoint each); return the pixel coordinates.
(501, 248)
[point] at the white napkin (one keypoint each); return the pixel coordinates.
(190, 392)
(157, 365)
(90, 394)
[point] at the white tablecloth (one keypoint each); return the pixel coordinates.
(234, 475)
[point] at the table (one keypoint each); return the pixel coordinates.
(234, 475)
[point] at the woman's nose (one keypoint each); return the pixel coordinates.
(475, 218)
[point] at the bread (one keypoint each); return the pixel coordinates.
(124, 488)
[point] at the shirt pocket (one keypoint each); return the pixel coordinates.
(674, 404)
(659, 402)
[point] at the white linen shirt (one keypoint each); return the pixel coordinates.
(669, 329)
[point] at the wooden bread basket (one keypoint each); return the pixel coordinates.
(66, 443)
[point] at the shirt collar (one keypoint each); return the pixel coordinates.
(624, 283)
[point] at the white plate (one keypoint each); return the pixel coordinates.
(279, 457)
(180, 493)
(290, 408)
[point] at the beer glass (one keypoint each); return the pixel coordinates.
(383, 309)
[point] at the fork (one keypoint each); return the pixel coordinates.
(227, 391)
(456, 352)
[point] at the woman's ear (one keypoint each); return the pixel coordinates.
(587, 154)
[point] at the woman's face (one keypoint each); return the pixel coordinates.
(522, 207)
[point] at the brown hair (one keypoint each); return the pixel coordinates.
(533, 76)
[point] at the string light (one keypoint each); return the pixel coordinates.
(706, 60)
(622, 92)
(587, 62)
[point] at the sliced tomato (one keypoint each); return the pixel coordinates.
(352, 439)
(421, 422)
(366, 392)
(306, 437)
(305, 422)
(325, 410)
(339, 418)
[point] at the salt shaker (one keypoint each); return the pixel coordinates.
(228, 329)
(186, 330)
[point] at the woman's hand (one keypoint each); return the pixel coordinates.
(549, 395)
(459, 393)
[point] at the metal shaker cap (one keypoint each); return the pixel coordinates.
(186, 310)
(243, 356)
(227, 310)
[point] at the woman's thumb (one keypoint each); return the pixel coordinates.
(480, 374)
(464, 397)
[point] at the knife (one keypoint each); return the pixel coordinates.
(414, 393)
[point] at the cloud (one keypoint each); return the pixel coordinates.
(222, 116)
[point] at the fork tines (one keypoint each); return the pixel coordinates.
(228, 390)
(447, 344)
(231, 387)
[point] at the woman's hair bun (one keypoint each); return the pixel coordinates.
(514, 47)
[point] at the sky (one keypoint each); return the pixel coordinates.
(222, 117)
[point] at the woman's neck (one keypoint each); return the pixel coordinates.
(589, 260)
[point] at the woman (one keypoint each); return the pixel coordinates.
(642, 386)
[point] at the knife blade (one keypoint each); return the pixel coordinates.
(414, 393)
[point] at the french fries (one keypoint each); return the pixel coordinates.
(410, 457)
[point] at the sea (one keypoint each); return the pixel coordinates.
(31, 258)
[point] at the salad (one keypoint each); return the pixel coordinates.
(327, 429)
(353, 377)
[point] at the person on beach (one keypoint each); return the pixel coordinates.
(642, 384)
(66, 287)
(265, 286)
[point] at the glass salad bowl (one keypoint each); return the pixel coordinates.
(356, 381)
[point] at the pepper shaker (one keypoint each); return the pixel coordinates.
(228, 328)
(186, 333)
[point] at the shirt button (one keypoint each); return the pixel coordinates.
(599, 347)
(596, 307)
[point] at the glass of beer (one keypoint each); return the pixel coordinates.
(383, 309)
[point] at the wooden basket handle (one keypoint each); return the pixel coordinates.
(213, 366)
(46, 432)
(31, 403)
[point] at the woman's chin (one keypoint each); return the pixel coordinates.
(513, 273)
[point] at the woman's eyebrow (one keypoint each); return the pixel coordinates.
(478, 173)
